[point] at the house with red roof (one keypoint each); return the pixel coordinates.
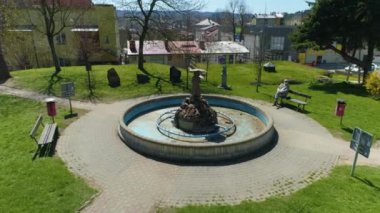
(175, 53)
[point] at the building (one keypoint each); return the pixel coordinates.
(207, 30)
(269, 42)
(94, 33)
(273, 19)
(176, 53)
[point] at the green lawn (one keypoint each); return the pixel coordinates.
(39, 80)
(337, 193)
(361, 111)
(26, 185)
(45, 184)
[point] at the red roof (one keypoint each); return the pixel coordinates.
(67, 3)
(191, 47)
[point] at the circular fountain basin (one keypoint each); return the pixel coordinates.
(254, 130)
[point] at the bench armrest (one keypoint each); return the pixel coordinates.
(37, 124)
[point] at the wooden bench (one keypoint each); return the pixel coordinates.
(48, 135)
(300, 103)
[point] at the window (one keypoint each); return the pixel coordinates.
(61, 38)
(277, 43)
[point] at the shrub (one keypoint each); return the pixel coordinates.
(373, 84)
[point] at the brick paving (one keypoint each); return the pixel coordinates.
(130, 182)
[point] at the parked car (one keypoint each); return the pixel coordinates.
(374, 67)
(352, 68)
(356, 68)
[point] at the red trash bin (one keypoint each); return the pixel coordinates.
(340, 107)
(51, 108)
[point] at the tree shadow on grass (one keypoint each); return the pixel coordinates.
(159, 80)
(342, 87)
(91, 97)
(368, 182)
(347, 129)
(294, 108)
(54, 79)
(2, 81)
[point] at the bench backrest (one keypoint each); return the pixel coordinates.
(300, 94)
(35, 127)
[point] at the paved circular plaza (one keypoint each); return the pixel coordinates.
(130, 182)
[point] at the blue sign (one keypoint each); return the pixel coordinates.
(222, 59)
(237, 37)
(361, 142)
(67, 89)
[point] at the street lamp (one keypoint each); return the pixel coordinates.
(260, 59)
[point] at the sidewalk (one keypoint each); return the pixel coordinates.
(41, 97)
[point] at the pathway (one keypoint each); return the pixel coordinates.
(41, 97)
(130, 182)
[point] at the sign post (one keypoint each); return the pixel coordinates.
(361, 142)
(68, 90)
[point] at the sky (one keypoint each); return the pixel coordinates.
(254, 6)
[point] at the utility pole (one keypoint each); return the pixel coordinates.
(260, 62)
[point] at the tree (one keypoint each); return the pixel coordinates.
(156, 11)
(88, 46)
(4, 71)
(232, 8)
(243, 18)
(352, 24)
(53, 17)
(220, 16)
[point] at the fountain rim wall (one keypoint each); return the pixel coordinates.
(182, 150)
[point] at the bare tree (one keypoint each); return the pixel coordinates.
(220, 16)
(156, 12)
(53, 16)
(232, 8)
(88, 46)
(4, 19)
(243, 18)
(237, 16)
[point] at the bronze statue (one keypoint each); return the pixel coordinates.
(195, 115)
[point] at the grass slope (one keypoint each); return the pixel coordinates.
(337, 193)
(42, 185)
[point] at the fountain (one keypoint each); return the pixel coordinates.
(195, 115)
(208, 128)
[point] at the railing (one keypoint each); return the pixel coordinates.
(170, 133)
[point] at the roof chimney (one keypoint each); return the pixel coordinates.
(202, 45)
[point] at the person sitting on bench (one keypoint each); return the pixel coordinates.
(282, 92)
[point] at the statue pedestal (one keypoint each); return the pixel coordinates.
(196, 116)
(223, 84)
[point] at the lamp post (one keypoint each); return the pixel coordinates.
(260, 59)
